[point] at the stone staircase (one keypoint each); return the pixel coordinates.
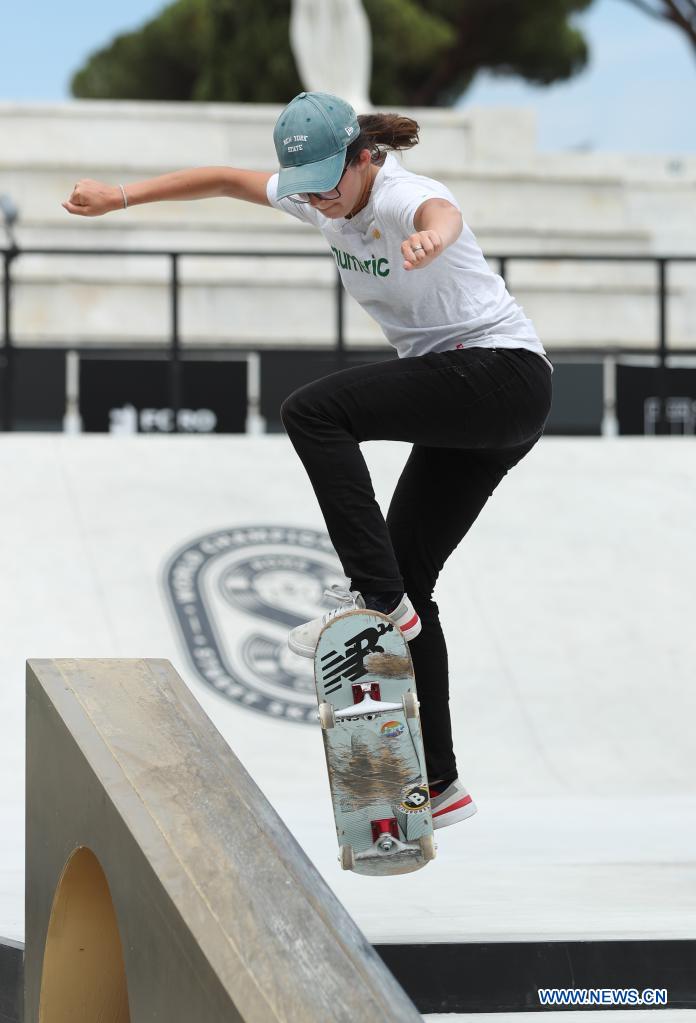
(515, 199)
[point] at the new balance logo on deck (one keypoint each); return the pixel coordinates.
(351, 665)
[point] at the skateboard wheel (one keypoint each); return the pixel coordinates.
(410, 702)
(347, 857)
(427, 845)
(327, 715)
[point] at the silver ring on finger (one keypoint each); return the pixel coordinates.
(417, 247)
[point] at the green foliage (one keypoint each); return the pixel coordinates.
(529, 38)
(160, 61)
(425, 52)
(248, 54)
(406, 42)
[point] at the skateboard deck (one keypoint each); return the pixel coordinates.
(368, 711)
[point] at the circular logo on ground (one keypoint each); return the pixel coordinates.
(235, 594)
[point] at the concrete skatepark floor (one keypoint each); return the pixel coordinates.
(567, 611)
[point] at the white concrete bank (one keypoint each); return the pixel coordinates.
(568, 610)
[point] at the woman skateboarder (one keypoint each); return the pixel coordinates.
(471, 389)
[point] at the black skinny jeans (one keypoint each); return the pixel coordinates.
(471, 415)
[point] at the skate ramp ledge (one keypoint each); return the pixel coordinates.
(154, 860)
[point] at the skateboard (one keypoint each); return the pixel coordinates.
(368, 711)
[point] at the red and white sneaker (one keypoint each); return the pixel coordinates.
(451, 804)
(303, 640)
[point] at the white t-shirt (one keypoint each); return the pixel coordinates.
(455, 302)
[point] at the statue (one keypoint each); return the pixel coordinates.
(332, 46)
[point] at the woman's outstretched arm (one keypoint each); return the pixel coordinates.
(93, 198)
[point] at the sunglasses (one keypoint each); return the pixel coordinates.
(305, 197)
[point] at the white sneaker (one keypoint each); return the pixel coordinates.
(451, 805)
(303, 640)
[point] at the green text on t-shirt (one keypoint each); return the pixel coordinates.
(374, 266)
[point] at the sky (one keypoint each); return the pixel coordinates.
(637, 94)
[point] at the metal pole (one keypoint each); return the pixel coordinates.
(8, 362)
(610, 422)
(662, 427)
(72, 422)
(175, 350)
(255, 423)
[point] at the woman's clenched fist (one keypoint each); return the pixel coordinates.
(93, 198)
(421, 249)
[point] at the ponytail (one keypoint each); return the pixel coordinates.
(383, 132)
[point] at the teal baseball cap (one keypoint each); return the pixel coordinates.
(311, 136)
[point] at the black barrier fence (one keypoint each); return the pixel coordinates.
(603, 390)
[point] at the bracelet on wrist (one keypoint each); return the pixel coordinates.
(125, 197)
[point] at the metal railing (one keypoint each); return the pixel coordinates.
(610, 356)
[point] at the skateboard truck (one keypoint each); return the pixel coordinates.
(361, 689)
(384, 832)
(368, 696)
(328, 716)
